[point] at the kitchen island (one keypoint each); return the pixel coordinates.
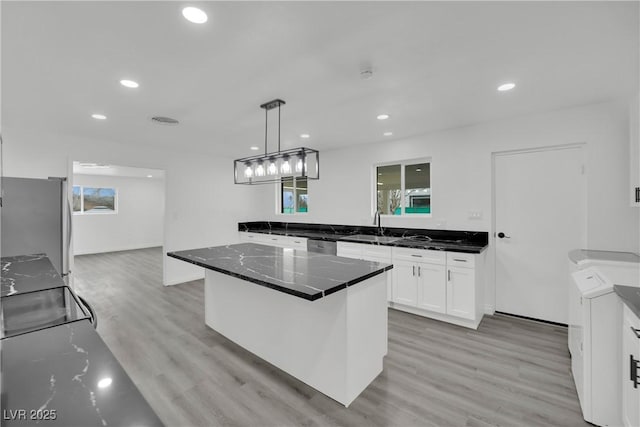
(320, 318)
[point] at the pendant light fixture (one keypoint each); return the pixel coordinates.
(272, 167)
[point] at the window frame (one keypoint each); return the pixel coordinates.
(403, 164)
(83, 212)
(295, 198)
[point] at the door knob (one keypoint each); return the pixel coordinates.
(503, 236)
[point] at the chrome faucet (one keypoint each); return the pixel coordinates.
(376, 221)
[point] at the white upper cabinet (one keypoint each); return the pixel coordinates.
(634, 151)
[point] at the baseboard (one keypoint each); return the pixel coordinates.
(119, 249)
(185, 279)
(489, 309)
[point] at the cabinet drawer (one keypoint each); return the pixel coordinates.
(419, 255)
(374, 251)
(457, 259)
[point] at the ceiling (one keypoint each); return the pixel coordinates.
(436, 65)
(88, 168)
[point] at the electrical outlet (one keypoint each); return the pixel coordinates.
(475, 214)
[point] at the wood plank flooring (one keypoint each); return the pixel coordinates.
(510, 372)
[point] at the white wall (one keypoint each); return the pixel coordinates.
(138, 223)
(462, 173)
(203, 205)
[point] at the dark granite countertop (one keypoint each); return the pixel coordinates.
(303, 274)
(27, 273)
(630, 295)
(68, 369)
(443, 240)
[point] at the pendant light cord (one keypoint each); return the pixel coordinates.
(266, 123)
(279, 127)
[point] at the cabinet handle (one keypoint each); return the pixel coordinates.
(637, 194)
(414, 270)
(250, 237)
(460, 260)
(418, 271)
(449, 275)
(417, 256)
(633, 371)
(636, 331)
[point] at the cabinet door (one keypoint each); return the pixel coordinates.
(432, 287)
(630, 348)
(405, 290)
(461, 292)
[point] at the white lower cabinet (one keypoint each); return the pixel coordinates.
(299, 243)
(630, 368)
(461, 290)
(368, 252)
(442, 285)
(432, 295)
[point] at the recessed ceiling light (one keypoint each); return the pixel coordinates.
(99, 116)
(383, 116)
(254, 148)
(381, 183)
(388, 133)
(506, 86)
(418, 170)
(105, 382)
(129, 83)
(149, 176)
(195, 15)
(304, 135)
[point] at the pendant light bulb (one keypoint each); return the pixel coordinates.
(272, 169)
(285, 167)
(260, 170)
(299, 165)
(248, 172)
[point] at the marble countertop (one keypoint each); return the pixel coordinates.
(303, 274)
(67, 372)
(27, 273)
(443, 240)
(57, 369)
(630, 295)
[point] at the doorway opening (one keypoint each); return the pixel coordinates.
(115, 209)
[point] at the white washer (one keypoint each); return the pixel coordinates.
(594, 336)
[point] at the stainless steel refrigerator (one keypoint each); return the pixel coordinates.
(36, 218)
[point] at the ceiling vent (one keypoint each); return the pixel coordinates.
(164, 120)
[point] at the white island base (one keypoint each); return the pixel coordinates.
(335, 344)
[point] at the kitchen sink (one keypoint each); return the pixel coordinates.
(371, 238)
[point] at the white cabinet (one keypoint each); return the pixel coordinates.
(634, 150)
(404, 283)
(447, 286)
(368, 252)
(431, 294)
(630, 368)
(299, 243)
(461, 289)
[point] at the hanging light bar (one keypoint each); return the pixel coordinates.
(272, 167)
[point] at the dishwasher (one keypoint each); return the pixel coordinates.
(322, 246)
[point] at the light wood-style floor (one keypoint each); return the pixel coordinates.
(509, 372)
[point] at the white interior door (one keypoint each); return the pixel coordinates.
(539, 217)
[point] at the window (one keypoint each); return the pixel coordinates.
(403, 188)
(94, 200)
(294, 195)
